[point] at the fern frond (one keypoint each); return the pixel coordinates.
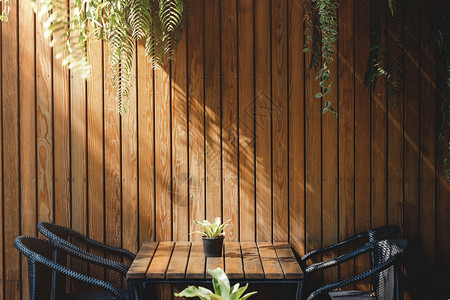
(140, 18)
(171, 13)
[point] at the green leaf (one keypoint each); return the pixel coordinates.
(318, 95)
(220, 282)
(193, 291)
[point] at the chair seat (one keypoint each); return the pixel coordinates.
(353, 295)
(97, 295)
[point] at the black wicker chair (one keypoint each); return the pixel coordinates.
(383, 274)
(47, 271)
(376, 234)
(73, 241)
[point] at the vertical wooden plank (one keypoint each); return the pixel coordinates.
(411, 146)
(230, 119)
(362, 129)
(196, 113)
(2, 238)
(379, 142)
(395, 132)
(179, 145)
(44, 123)
(213, 110)
(27, 129)
(79, 157)
(346, 127)
(162, 153)
(61, 146)
(146, 126)
(129, 170)
(296, 128)
(427, 144)
(246, 121)
(113, 214)
(11, 172)
(263, 119)
(330, 174)
(313, 150)
(95, 148)
(280, 121)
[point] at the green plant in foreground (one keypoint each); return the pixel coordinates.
(222, 289)
(212, 230)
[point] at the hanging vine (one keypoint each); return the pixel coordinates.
(321, 33)
(5, 11)
(119, 23)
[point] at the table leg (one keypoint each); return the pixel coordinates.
(298, 294)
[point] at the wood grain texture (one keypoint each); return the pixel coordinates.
(196, 264)
(55, 127)
(263, 116)
(196, 114)
(246, 121)
(279, 121)
(178, 262)
(146, 142)
(44, 123)
(2, 267)
(233, 260)
(379, 146)
(10, 150)
(213, 107)
(288, 262)
(296, 128)
(395, 135)
(362, 127)
(230, 121)
(411, 142)
(27, 103)
(346, 128)
(180, 199)
(270, 262)
(142, 261)
(213, 263)
(313, 175)
(427, 150)
(252, 263)
(61, 120)
(129, 171)
(163, 135)
(113, 221)
(160, 261)
(95, 150)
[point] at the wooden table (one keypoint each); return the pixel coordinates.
(184, 262)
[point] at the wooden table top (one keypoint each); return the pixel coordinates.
(186, 260)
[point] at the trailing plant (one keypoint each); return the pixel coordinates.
(212, 230)
(321, 33)
(222, 289)
(120, 24)
(5, 11)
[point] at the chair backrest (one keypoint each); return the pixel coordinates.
(43, 283)
(385, 283)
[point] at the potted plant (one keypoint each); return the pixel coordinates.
(222, 289)
(213, 236)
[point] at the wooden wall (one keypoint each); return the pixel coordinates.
(232, 129)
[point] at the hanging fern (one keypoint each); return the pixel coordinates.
(120, 24)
